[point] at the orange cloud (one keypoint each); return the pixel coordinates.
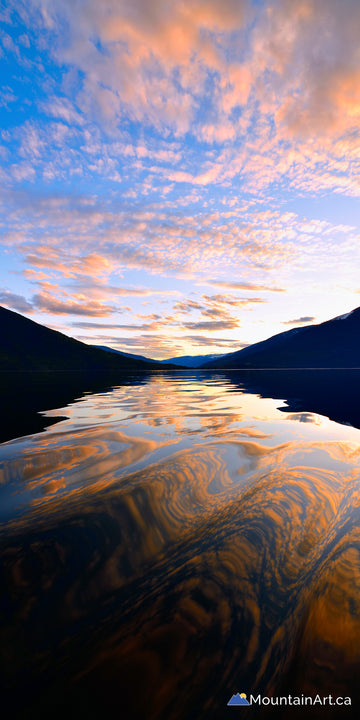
(45, 302)
(145, 43)
(278, 91)
(244, 286)
(311, 47)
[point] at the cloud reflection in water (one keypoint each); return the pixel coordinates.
(168, 580)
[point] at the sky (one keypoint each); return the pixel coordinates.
(179, 177)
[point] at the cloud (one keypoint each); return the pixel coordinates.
(212, 326)
(69, 265)
(95, 326)
(62, 108)
(161, 147)
(149, 60)
(159, 63)
(163, 346)
(97, 287)
(16, 302)
(312, 49)
(274, 91)
(79, 237)
(244, 286)
(300, 320)
(23, 171)
(217, 307)
(187, 306)
(48, 303)
(151, 326)
(159, 345)
(232, 300)
(6, 97)
(208, 341)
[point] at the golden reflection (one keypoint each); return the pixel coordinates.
(327, 647)
(73, 461)
(152, 567)
(222, 562)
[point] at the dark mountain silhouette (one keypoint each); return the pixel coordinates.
(126, 354)
(332, 344)
(333, 393)
(26, 396)
(26, 345)
(191, 361)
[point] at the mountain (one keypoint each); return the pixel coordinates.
(27, 345)
(184, 361)
(128, 355)
(332, 344)
(191, 361)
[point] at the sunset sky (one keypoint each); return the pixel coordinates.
(179, 177)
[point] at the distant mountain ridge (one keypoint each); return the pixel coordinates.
(191, 361)
(334, 343)
(125, 354)
(28, 346)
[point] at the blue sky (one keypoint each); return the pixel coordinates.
(179, 177)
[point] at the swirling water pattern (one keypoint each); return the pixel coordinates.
(172, 543)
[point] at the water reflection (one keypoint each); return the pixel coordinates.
(29, 398)
(333, 393)
(25, 396)
(157, 568)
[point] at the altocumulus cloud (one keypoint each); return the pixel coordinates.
(158, 148)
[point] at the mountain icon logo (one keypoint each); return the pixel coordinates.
(238, 699)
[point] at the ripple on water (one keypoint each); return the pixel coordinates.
(228, 563)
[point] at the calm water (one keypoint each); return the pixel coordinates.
(174, 539)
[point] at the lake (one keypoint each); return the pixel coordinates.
(173, 539)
